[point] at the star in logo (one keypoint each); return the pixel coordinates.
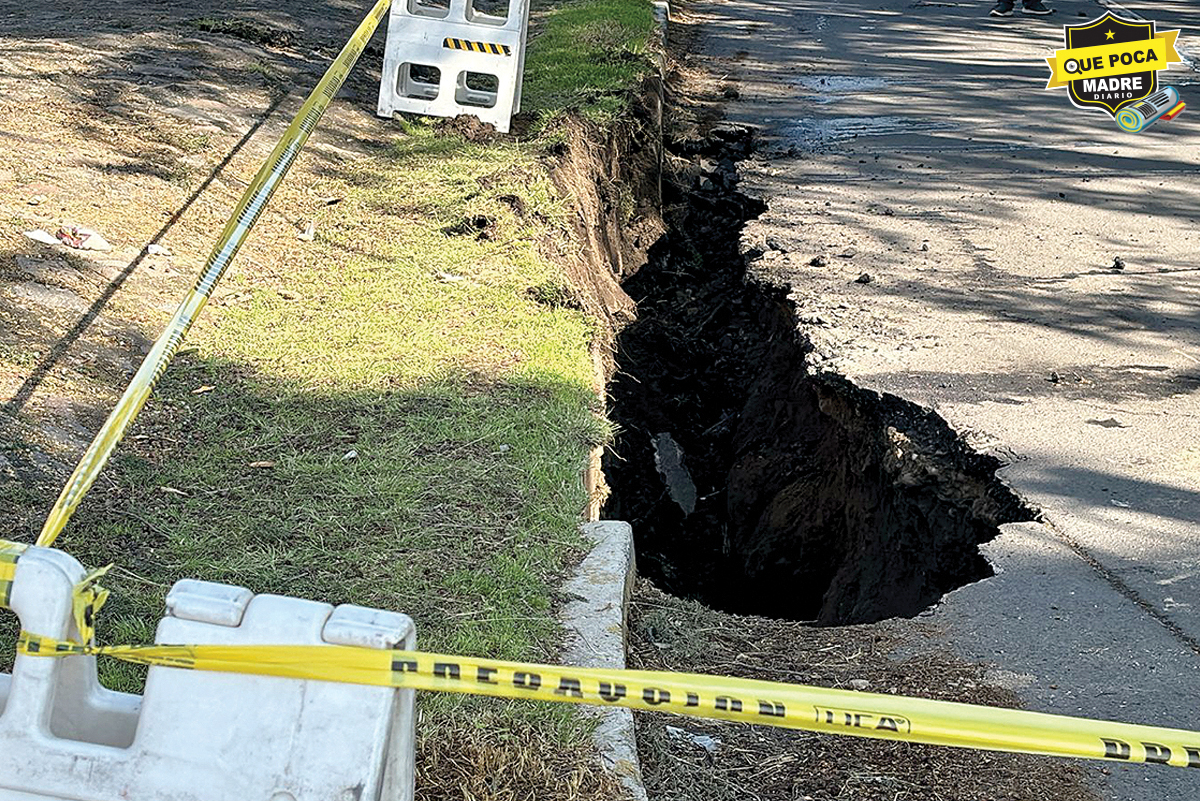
(1108, 34)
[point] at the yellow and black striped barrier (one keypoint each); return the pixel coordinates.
(476, 47)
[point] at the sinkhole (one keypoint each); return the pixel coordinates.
(754, 485)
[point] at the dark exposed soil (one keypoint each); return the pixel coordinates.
(754, 484)
(612, 179)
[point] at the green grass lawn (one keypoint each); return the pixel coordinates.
(396, 422)
(587, 55)
(402, 420)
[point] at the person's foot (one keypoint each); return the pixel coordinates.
(1004, 8)
(1036, 8)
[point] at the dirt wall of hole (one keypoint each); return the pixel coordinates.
(612, 181)
(753, 485)
(846, 506)
(803, 496)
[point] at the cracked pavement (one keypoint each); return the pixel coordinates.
(949, 231)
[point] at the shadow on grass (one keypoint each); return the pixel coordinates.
(50, 360)
(589, 55)
(583, 54)
(455, 501)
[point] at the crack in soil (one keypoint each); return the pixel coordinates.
(753, 483)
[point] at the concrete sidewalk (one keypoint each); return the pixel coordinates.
(913, 142)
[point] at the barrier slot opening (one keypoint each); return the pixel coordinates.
(418, 80)
(434, 9)
(81, 709)
(10, 628)
(477, 89)
(488, 12)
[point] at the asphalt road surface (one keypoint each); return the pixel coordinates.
(915, 142)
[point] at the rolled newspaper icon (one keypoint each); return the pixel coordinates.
(1141, 115)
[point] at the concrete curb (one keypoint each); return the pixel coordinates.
(595, 621)
(599, 591)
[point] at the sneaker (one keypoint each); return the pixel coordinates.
(1004, 8)
(1037, 8)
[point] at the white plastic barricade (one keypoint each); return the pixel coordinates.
(198, 736)
(449, 57)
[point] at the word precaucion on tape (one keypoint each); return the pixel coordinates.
(819, 709)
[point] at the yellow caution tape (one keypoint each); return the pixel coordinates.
(87, 597)
(793, 706)
(245, 215)
(477, 47)
(9, 553)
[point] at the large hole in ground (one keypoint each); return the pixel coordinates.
(756, 486)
